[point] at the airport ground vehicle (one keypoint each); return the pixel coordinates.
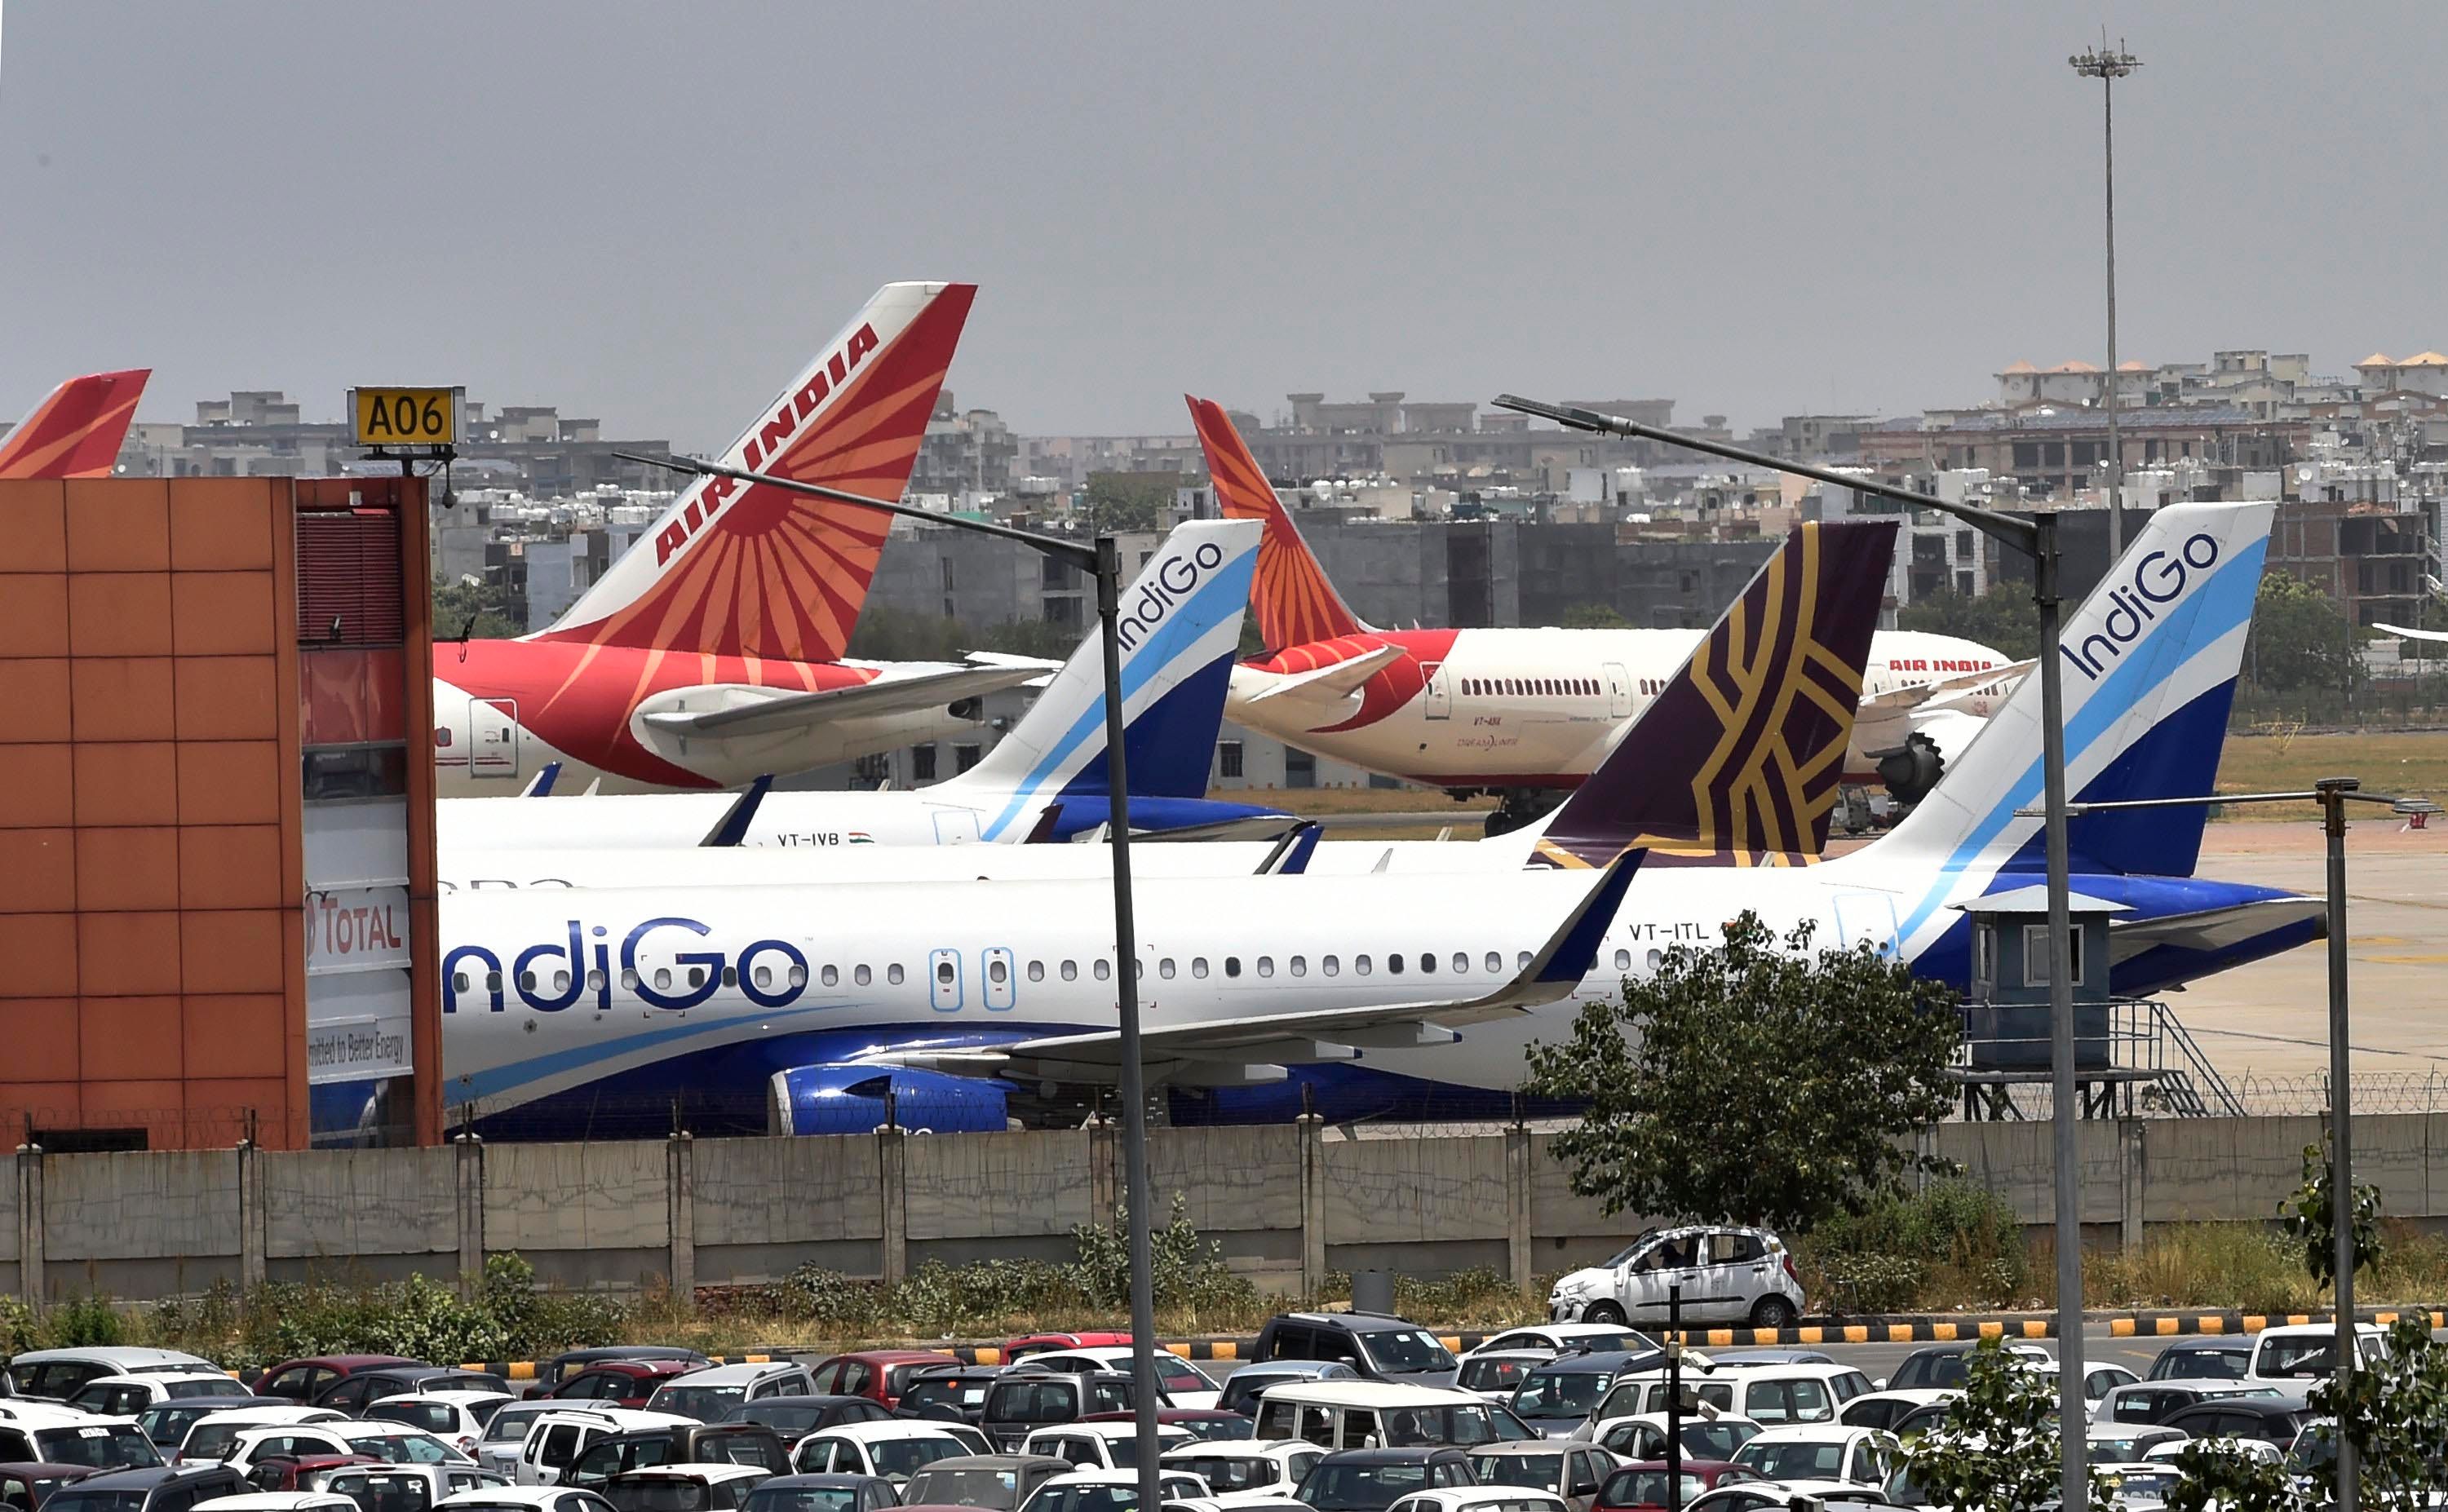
(1725, 1274)
(895, 1450)
(997, 1481)
(1354, 1414)
(1373, 1480)
(1377, 1346)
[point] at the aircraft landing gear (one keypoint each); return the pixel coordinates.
(1520, 806)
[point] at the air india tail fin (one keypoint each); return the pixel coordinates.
(1737, 760)
(749, 570)
(76, 432)
(1291, 596)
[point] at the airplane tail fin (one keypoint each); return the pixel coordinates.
(1293, 602)
(76, 431)
(1736, 761)
(749, 570)
(1181, 631)
(2149, 664)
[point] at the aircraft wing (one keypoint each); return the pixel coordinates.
(2411, 634)
(1331, 684)
(1913, 696)
(1263, 1043)
(2210, 929)
(744, 711)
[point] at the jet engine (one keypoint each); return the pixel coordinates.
(859, 1099)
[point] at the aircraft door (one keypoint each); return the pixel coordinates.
(944, 976)
(1439, 701)
(493, 738)
(1618, 691)
(1000, 983)
(956, 826)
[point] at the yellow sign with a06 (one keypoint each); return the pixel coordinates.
(405, 418)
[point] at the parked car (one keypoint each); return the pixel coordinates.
(1025, 1399)
(1883, 1410)
(556, 1440)
(1481, 1499)
(38, 1434)
(156, 1488)
(1703, 1438)
(125, 1396)
(393, 1442)
(948, 1394)
(1199, 1423)
(279, 1501)
(895, 1449)
(168, 1423)
(1497, 1375)
(457, 1417)
(1857, 1457)
(683, 1487)
(1947, 1367)
(24, 1487)
(1743, 1359)
(2273, 1420)
(407, 1487)
(616, 1383)
(1727, 1275)
(212, 1437)
(1107, 1446)
(1558, 1338)
(2210, 1360)
(301, 1472)
(58, 1374)
(796, 1417)
(1353, 1414)
(1564, 1393)
(1252, 1469)
(2151, 1401)
(352, 1393)
(2128, 1442)
(998, 1482)
(1379, 1345)
(822, 1493)
(708, 1395)
(1020, 1348)
(1374, 1480)
(1175, 1377)
(524, 1499)
(750, 1444)
(1767, 1394)
(1569, 1471)
(2292, 1354)
(1108, 1491)
(1243, 1386)
(303, 1379)
(569, 1362)
(881, 1374)
(1642, 1487)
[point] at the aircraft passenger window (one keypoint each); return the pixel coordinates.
(663, 977)
(1623, 960)
(1656, 959)
(1495, 962)
(1164, 968)
(893, 973)
(1070, 972)
(1037, 970)
(861, 975)
(1461, 962)
(1328, 966)
(1394, 963)
(1360, 965)
(526, 982)
(458, 981)
(1427, 962)
(1198, 965)
(731, 976)
(1104, 968)
(1522, 960)
(833, 975)
(798, 976)
(1265, 965)
(696, 976)
(764, 977)
(561, 980)
(1300, 965)
(629, 978)
(944, 972)
(492, 982)
(996, 972)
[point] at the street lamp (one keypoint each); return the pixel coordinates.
(1103, 561)
(2035, 538)
(2105, 67)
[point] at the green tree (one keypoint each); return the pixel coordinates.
(2310, 1218)
(2003, 618)
(2218, 1477)
(1680, 1122)
(1595, 617)
(1996, 1449)
(472, 611)
(1128, 501)
(2394, 1411)
(2299, 638)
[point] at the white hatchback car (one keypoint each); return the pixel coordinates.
(125, 1396)
(523, 1499)
(1240, 1471)
(212, 1437)
(1727, 1275)
(395, 1442)
(1102, 1446)
(895, 1450)
(1180, 1380)
(1556, 1337)
(1480, 1499)
(457, 1417)
(1095, 1490)
(1857, 1457)
(277, 1502)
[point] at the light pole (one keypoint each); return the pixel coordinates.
(2105, 67)
(2035, 538)
(1103, 562)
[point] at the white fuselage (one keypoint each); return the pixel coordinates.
(1542, 708)
(948, 813)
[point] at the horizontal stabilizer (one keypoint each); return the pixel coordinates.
(2211, 930)
(2411, 634)
(1912, 695)
(1332, 684)
(740, 711)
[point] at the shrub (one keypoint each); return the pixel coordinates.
(88, 1322)
(1951, 1237)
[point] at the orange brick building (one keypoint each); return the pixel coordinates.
(184, 664)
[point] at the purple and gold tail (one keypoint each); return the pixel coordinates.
(1736, 762)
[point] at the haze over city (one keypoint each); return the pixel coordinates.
(649, 214)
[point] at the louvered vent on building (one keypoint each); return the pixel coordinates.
(348, 577)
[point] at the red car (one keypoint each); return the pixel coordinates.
(27, 1484)
(1641, 1486)
(880, 1375)
(619, 1383)
(301, 1472)
(301, 1381)
(1040, 1343)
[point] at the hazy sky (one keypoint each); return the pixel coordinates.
(651, 214)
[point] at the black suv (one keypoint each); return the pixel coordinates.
(1379, 1345)
(163, 1489)
(1023, 1400)
(1373, 1480)
(697, 1444)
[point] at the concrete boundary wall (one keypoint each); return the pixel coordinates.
(1287, 1203)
